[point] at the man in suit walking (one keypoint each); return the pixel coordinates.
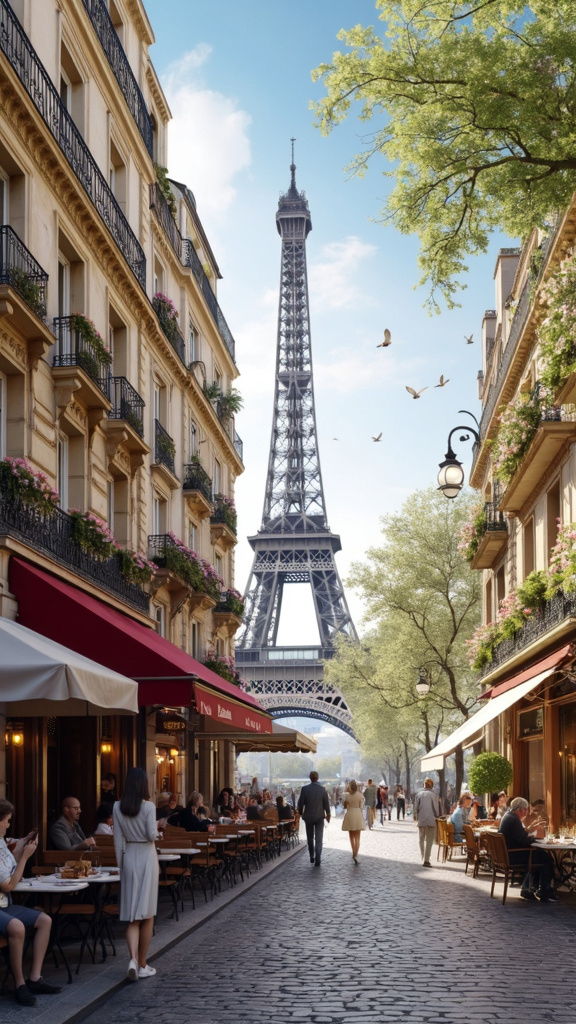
(314, 806)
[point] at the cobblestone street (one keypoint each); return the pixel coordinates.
(384, 941)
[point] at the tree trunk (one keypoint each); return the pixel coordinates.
(408, 783)
(459, 758)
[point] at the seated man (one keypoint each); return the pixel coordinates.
(461, 815)
(66, 833)
(516, 836)
(254, 810)
(193, 817)
(537, 813)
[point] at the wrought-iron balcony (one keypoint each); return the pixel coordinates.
(126, 404)
(164, 448)
(164, 311)
(159, 204)
(196, 479)
(97, 11)
(561, 609)
(494, 537)
(20, 271)
(239, 446)
(556, 432)
(76, 346)
(224, 513)
(52, 534)
(26, 64)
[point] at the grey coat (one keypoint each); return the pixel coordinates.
(66, 836)
(426, 808)
(313, 803)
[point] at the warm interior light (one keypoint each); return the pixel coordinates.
(174, 752)
(105, 747)
(17, 738)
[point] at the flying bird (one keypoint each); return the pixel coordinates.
(469, 339)
(379, 438)
(442, 382)
(387, 340)
(335, 439)
(415, 394)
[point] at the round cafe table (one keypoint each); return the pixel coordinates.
(28, 887)
(564, 853)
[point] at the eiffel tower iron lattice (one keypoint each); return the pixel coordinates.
(294, 543)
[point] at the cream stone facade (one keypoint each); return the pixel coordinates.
(137, 427)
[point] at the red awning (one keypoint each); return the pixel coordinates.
(546, 664)
(90, 627)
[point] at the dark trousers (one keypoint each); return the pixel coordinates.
(542, 868)
(315, 837)
(400, 807)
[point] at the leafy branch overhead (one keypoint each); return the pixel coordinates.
(472, 105)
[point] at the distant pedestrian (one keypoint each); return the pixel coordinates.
(370, 801)
(400, 797)
(383, 802)
(314, 806)
(353, 822)
(426, 810)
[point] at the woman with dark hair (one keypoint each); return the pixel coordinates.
(104, 820)
(134, 835)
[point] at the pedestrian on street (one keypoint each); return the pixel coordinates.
(426, 810)
(314, 806)
(135, 833)
(353, 822)
(370, 801)
(400, 798)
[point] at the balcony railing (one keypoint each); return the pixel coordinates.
(19, 269)
(196, 479)
(97, 11)
(159, 204)
(126, 404)
(239, 446)
(74, 348)
(164, 448)
(188, 256)
(23, 58)
(169, 327)
(53, 535)
(495, 520)
(560, 607)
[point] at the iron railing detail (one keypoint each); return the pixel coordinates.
(97, 11)
(52, 533)
(23, 58)
(19, 269)
(495, 520)
(239, 446)
(196, 479)
(74, 348)
(556, 610)
(164, 447)
(159, 204)
(222, 513)
(126, 404)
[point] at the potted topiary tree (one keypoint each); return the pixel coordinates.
(489, 773)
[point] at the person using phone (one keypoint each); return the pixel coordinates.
(14, 920)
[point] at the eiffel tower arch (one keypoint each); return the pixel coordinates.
(294, 543)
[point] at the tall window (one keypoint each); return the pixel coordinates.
(553, 514)
(192, 536)
(529, 547)
(4, 197)
(194, 639)
(159, 515)
(71, 88)
(118, 177)
(193, 439)
(193, 343)
(63, 459)
(217, 478)
(160, 616)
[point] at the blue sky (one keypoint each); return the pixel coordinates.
(237, 78)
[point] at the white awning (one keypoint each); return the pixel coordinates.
(434, 759)
(43, 678)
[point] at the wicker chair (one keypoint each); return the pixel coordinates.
(498, 853)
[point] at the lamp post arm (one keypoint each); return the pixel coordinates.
(450, 454)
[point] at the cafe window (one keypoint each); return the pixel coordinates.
(567, 754)
(530, 723)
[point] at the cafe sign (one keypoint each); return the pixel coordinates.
(170, 721)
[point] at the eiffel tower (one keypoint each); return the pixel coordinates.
(294, 543)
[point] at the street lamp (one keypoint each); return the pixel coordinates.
(451, 475)
(423, 684)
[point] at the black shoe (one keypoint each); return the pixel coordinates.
(43, 988)
(527, 895)
(316, 863)
(426, 864)
(311, 860)
(24, 996)
(547, 896)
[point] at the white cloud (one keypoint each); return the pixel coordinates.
(208, 136)
(333, 278)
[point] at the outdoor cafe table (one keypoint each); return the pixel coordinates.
(51, 885)
(564, 852)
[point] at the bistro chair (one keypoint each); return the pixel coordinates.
(476, 857)
(498, 853)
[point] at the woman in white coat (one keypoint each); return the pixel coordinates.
(135, 833)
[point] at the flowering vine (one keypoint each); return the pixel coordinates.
(20, 481)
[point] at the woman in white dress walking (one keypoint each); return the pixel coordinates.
(353, 822)
(134, 835)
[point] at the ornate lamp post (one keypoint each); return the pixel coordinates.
(451, 475)
(423, 684)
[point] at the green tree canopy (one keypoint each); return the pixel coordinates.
(473, 105)
(424, 603)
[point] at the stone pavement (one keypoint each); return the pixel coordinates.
(382, 942)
